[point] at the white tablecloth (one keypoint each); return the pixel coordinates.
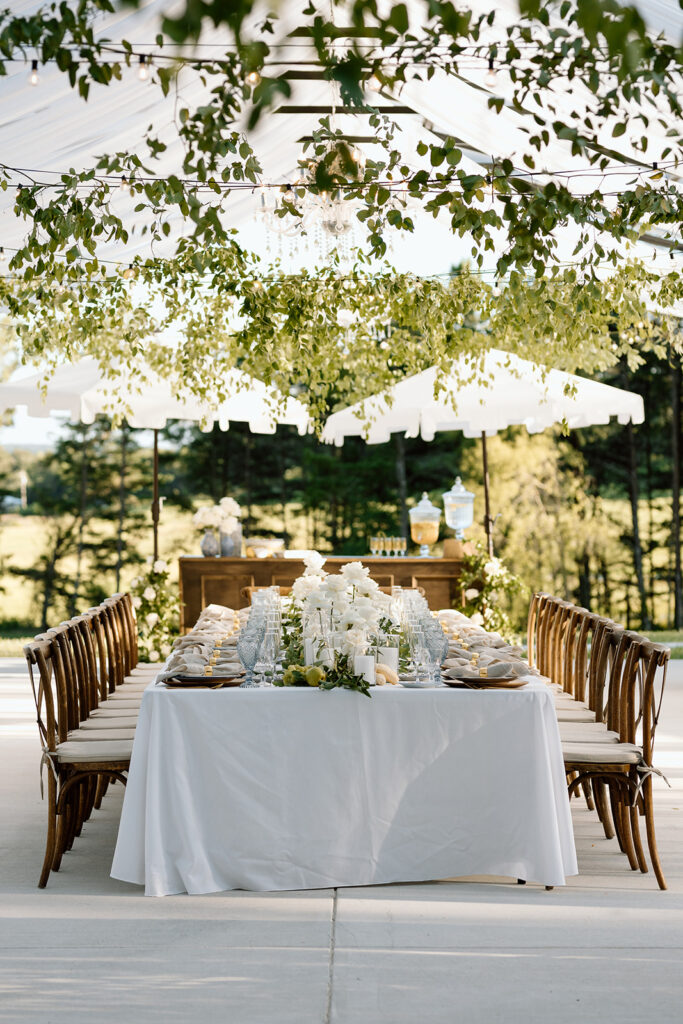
(272, 789)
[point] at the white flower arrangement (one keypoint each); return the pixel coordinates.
(354, 602)
(224, 516)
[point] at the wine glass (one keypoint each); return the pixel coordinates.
(248, 645)
(267, 658)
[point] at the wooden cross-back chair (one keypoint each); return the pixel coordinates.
(621, 765)
(75, 764)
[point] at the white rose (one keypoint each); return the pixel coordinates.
(230, 507)
(137, 601)
(355, 573)
(336, 584)
(149, 593)
(303, 586)
(160, 565)
(165, 650)
(154, 656)
(318, 600)
(228, 524)
(353, 638)
(472, 594)
(151, 619)
(199, 518)
(314, 563)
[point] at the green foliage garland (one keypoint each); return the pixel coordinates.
(157, 608)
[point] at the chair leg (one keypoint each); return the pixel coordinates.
(650, 828)
(51, 831)
(614, 805)
(585, 786)
(637, 842)
(624, 830)
(100, 792)
(62, 838)
(602, 808)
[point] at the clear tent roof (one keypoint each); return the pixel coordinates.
(48, 129)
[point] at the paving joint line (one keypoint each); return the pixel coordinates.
(330, 973)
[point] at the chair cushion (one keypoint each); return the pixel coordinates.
(78, 753)
(114, 712)
(123, 700)
(577, 714)
(601, 753)
(100, 735)
(587, 732)
(96, 723)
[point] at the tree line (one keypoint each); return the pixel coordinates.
(593, 516)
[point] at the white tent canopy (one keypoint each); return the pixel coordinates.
(484, 396)
(79, 389)
(49, 128)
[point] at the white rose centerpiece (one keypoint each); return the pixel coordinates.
(224, 519)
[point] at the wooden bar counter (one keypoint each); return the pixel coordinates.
(220, 580)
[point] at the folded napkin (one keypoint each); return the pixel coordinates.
(182, 664)
(216, 611)
(496, 670)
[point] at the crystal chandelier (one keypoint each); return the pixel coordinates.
(299, 208)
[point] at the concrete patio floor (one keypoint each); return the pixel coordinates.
(608, 947)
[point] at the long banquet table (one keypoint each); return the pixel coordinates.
(286, 788)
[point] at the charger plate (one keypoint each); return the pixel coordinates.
(211, 682)
(504, 683)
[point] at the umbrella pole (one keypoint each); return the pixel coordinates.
(488, 521)
(155, 496)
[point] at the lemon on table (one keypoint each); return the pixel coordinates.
(314, 675)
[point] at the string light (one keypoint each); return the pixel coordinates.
(491, 77)
(143, 68)
(130, 272)
(253, 78)
(2, 254)
(33, 77)
(125, 184)
(374, 83)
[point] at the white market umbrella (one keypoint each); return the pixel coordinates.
(483, 396)
(81, 390)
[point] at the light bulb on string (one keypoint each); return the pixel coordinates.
(129, 273)
(33, 77)
(2, 254)
(374, 83)
(143, 67)
(253, 78)
(491, 76)
(125, 184)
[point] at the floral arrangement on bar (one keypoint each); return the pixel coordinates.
(157, 608)
(355, 610)
(224, 517)
(487, 584)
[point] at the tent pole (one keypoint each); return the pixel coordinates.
(488, 521)
(155, 496)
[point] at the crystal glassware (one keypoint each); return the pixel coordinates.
(248, 646)
(266, 662)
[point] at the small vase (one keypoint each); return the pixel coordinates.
(231, 543)
(209, 544)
